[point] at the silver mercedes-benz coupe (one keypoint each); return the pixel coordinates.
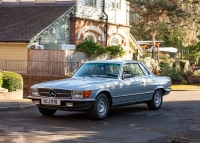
(97, 86)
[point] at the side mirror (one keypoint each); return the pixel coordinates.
(124, 76)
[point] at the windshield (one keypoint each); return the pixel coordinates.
(105, 70)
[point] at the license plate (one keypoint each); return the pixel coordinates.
(50, 101)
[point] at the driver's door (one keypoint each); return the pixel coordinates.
(132, 84)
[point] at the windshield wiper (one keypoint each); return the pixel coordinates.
(104, 76)
(91, 76)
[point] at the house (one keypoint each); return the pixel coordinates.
(60, 25)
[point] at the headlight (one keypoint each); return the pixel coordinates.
(34, 92)
(81, 94)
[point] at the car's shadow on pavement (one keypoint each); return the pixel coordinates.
(113, 113)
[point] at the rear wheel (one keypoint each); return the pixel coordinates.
(156, 101)
(100, 108)
(46, 111)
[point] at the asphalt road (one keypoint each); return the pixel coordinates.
(178, 121)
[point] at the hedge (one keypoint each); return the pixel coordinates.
(12, 81)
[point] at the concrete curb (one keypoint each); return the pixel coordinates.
(20, 107)
(185, 87)
(185, 90)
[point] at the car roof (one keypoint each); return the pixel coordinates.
(113, 61)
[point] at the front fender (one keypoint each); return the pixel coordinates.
(165, 90)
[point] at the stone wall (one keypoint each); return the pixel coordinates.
(29, 80)
(18, 94)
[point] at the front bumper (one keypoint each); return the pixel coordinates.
(75, 104)
(167, 90)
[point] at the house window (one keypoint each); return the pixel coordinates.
(90, 38)
(90, 2)
(116, 4)
(114, 41)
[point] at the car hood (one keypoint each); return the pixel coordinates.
(72, 83)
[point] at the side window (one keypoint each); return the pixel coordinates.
(145, 70)
(133, 69)
(90, 2)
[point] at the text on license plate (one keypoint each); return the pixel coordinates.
(50, 101)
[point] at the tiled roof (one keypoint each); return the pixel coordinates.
(21, 22)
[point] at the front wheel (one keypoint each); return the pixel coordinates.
(100, 108)
(46, 111)
(156, 101)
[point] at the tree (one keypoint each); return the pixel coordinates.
(194, 52)
(169, 18)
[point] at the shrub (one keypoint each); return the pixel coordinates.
(146, 55)
(196, 73)
(1, 80)
(185, 82)
(164, 67)
(184, 64)
(173, 72)
(92, 49)
(12, 81)
(163, 57)
(115, 51)
(95, 50)
(152, 65)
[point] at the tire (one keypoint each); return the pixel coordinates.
(156, 101)
(46, 111)
(100, 108)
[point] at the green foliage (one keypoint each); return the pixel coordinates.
(194, 52)
(12, 81)
(163, 57)
(146, 55)
(91, 48)
(160, 16)
(169, 35)
(167, 70)
(1, 80)
(185, 82)
(115, 51)
(164, 64)
(182, 64)
(196, 73)
(170, 19)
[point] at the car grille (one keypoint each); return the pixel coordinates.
(59, 92)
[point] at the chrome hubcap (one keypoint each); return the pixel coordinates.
(102, 107)
(157, 99)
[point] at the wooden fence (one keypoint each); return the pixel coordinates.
(47, 62)
(54, 62)
(19, 66)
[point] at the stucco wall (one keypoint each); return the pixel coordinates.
(95, 12)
